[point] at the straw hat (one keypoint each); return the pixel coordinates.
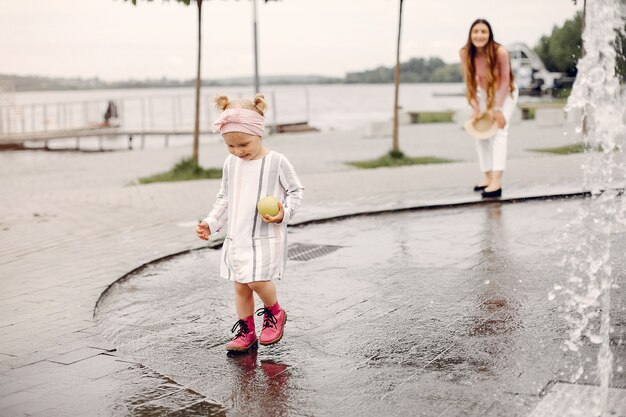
(485, 127)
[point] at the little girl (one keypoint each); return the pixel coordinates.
(255, 247)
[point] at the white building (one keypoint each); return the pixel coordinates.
(530, 73)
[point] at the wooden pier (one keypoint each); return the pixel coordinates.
(20, 139)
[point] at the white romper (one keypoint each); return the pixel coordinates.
(254, 250)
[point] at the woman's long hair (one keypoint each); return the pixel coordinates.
(491, 58)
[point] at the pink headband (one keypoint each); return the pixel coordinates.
(240, 120)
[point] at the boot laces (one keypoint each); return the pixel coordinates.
(269, 319)
(241, 327)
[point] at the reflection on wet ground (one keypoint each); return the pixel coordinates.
(436, 313)
(144, 393)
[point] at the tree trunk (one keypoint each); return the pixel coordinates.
(196, 128)
(395, 148)
(257, 87)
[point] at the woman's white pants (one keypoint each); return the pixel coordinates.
(492, 152)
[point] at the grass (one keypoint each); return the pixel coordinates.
(568, 149)
(184, 170)
(397, 159)
(563, 93)
(432, 117)
(529, 110)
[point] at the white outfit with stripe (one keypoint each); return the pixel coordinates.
(492, 152)
(254, 250)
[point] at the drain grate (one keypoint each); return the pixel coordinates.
(306, 252)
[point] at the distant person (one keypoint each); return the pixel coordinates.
(490, 89)
(255, 248)
(109, 114)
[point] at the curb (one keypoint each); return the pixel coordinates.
(218, 243)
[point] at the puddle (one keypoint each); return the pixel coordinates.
(445, 312)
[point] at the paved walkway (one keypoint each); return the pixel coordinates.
(72, 223)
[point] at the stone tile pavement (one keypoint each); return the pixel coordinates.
(73, 223)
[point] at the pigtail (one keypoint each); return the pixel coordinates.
(259, 103)
(221, 102)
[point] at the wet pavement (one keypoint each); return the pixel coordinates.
(75, 224)
(432, 313)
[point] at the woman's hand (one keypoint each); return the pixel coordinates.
(499, 118)
(203, 231)
(475, 114)
(278, 218)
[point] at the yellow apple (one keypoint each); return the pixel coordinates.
(268, 205)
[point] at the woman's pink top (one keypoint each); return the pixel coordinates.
(504, 70)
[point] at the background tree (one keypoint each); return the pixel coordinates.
(561, 50)
(196, 126)
(395, 147)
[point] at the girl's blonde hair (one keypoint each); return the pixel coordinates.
(491, 58)
(259, 105)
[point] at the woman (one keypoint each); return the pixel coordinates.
(490, 88)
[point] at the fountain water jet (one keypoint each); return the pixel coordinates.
(599, 95)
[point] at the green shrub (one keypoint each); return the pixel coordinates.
(432, 117)
(395, 159)
(568, 149)
(184, 170)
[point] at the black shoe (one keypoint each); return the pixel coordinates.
(479, 187)
(492, 194)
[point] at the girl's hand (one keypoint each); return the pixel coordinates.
(499, 117)
(203, 231)
(278, 218)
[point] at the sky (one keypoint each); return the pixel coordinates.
(114, 40)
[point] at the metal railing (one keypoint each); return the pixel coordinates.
(147, 113)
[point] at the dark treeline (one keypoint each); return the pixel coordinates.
(416, 70)
(38, 83)
(560, 51)
(34, 83)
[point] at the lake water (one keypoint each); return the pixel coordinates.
(327, 107)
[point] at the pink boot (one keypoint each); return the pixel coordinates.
(274, 319)
(245, 339)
